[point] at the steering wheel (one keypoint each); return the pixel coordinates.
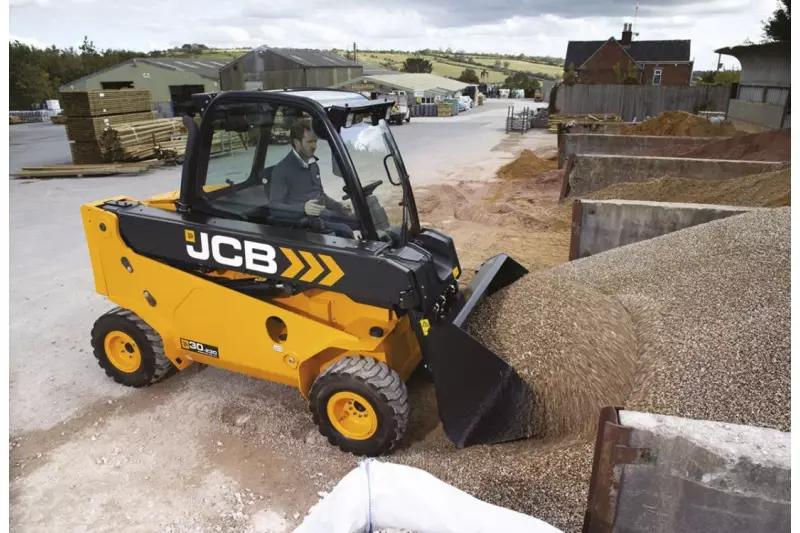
(368, 189)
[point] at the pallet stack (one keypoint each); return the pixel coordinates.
(91, 113)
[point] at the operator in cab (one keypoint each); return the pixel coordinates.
(296, 188)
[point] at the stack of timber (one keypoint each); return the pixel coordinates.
(90, 113)
(90, 129)
(222, 142)
(139, 140)
(101, 103)
(80, 171)
(596, 119)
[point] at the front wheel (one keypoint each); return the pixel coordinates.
(360, 405)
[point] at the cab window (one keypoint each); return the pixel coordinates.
(272, 165)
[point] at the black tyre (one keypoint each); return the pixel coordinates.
(130, 351)
(360, 405)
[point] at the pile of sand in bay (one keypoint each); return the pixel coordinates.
(766, 189)
(765, 146)
(679, 123)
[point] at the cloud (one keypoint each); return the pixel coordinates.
(532, 27)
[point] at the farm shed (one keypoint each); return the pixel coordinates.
(276, 68)
(171, 81)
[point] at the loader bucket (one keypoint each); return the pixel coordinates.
(481, 398)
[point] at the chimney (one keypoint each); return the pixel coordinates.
(627, 34)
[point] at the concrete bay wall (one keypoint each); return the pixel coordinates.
(590, 173)
(704, 476)
(600, 225)
(592, 143)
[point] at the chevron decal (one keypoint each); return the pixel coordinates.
(322, 269)
(335, 272)
(295, 266)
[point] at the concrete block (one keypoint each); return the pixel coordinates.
(703, 476)
(600, 225)
(590, 173)
(590, 143)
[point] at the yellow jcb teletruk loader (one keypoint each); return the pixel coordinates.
(239, 270)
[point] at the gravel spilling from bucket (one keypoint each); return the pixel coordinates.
(694, 323)
(575, 346)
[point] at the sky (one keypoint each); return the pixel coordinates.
(531, 27)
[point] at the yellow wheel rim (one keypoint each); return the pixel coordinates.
(352, 415)
(123, 352)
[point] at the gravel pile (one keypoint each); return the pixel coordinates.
(717, 344)
(694, 323)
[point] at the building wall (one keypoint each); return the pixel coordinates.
(764, 89)
(671, 73)
(274, 71)
(144, 76)
(599, 68)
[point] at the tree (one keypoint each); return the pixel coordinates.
(417, 65)
(484, 74)
(629, 76)
(521, 80)
(779, 26)
(497, 64)
(468, 75)
(506, 65)
(570, 76)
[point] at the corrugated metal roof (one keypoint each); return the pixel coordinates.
(204, 68)
(311, 58)
(414, 82)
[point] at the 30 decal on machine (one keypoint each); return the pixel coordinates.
(199, 347)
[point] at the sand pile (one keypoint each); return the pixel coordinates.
(679, 123)
(695, 323)
(528, 165)
(766, 146)
(767, 189)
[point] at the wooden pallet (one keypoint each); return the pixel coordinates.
(100, 103)
(90, 129)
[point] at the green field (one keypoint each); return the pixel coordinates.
(524, 66)
(439, 68)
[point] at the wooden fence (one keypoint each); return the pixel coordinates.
(638, 101)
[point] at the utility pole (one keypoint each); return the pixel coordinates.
(355, 53)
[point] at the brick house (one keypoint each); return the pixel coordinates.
(643, 62)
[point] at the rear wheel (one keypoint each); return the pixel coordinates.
(360, 405)
(130, 351)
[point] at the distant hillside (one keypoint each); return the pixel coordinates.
(450, 64)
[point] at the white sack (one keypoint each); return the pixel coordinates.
(386, 495)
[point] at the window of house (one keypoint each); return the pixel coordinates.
(657, 77)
